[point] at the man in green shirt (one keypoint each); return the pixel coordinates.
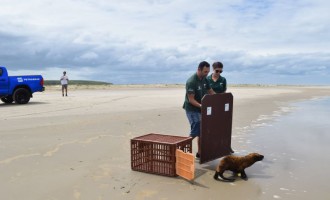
(196, 87)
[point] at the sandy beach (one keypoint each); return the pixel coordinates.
(78, 147)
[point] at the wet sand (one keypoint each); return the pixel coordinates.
(78, 147)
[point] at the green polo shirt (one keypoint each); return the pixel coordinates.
(198, 87)
(219, 86)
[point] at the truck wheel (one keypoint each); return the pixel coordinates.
(7, 99)
(21, 96)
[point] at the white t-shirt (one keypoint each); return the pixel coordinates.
(64, 80)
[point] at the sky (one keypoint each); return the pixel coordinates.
(163, 41)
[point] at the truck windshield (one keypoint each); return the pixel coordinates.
(0, 71)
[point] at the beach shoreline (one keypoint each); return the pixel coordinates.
(175, 85)
(78, 147)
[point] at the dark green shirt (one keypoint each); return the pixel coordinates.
(198, 87)
(219, 86)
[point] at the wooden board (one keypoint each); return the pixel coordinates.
(216, 126)
(185, 164)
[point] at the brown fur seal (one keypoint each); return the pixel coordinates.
(236, 164)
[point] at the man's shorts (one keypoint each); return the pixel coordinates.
(64, 86)
(195, 123)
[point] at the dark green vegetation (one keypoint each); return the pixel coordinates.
(76, 82)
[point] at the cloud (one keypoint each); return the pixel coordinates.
(149, 41)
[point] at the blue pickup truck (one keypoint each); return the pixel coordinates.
(19, 88)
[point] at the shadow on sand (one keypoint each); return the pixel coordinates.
(14, 104)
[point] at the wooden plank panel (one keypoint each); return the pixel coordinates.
(185, 164)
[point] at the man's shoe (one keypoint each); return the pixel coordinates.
(197, 155)
(231, 150)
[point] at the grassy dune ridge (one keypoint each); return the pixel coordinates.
(76, 82)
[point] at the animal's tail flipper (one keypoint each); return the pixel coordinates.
(226, 179)
(216, 175)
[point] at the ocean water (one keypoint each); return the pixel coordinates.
(296, 146)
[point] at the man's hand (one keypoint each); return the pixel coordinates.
(211, 91)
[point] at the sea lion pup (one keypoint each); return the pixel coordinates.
(236, 164)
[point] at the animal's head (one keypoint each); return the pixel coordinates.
(257, 157)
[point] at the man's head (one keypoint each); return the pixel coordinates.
(203, 69)
(64, 72)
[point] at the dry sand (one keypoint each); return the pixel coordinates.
(78, 147)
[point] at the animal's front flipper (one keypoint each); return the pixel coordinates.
(243, 175)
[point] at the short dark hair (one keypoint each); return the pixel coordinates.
(217, 65)
(203, 64)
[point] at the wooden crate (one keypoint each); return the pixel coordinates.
(155, 153)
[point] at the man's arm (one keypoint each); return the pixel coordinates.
(211, 91)
(225, 85)
(208, 87)
(192, 100)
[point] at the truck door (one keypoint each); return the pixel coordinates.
(3, 83)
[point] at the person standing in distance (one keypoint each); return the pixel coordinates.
(196, 87)
(217, 82)
(64, 82)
